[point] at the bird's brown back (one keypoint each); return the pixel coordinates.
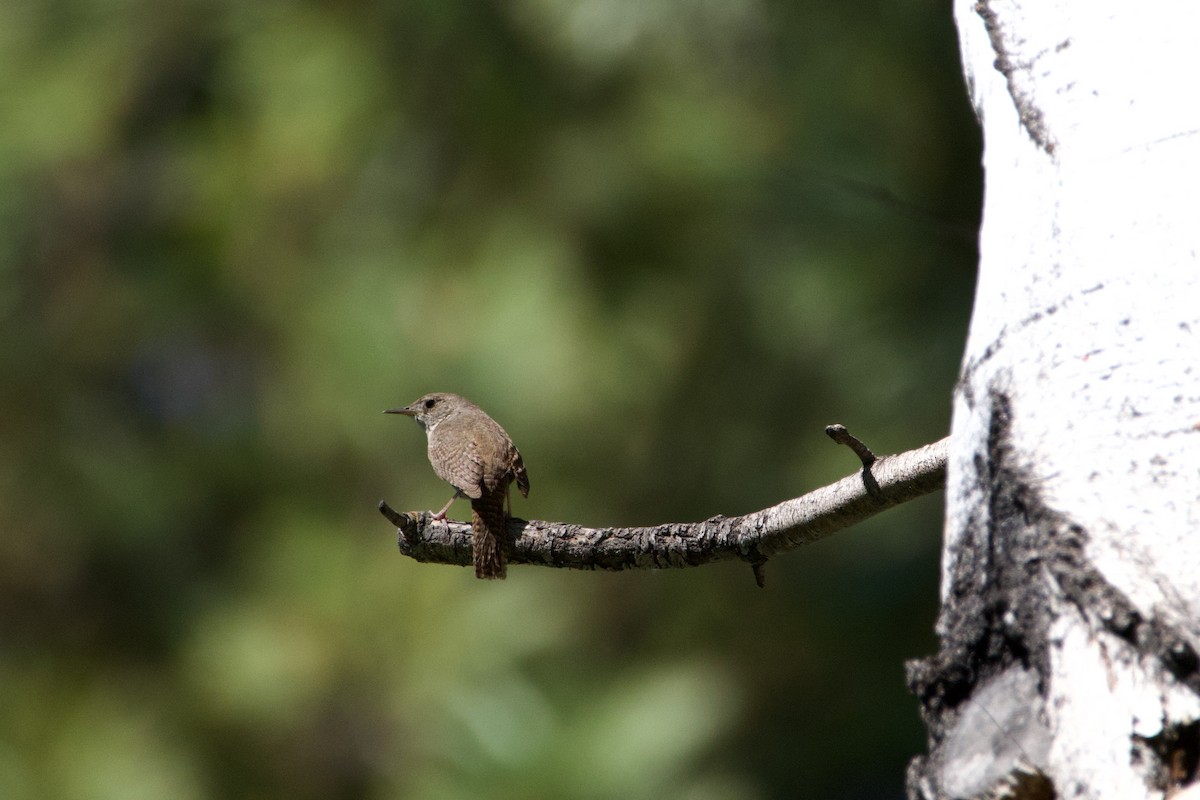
(470, 451)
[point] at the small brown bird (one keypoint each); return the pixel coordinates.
(470, 451)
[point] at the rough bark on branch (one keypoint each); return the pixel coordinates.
(884, 483)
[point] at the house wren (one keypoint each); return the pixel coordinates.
(470, 451)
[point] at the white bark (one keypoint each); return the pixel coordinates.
(1071, 572)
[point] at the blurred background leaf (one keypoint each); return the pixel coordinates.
(663, 243)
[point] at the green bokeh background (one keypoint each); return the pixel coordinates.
(664, 243)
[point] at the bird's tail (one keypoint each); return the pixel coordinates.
(489, 535)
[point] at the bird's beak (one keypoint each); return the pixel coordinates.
(406, 411)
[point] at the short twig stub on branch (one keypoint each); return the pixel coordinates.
(884, 482)
(842, 436)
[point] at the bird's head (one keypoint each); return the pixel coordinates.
(431, 409)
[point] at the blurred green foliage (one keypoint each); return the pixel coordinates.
(664, 243)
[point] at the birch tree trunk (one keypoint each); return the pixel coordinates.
(1070, 620)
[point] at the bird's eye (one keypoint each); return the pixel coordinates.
(430, 403)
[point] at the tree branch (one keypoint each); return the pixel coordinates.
(883, 483)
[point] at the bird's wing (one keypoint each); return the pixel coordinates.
(455, 458)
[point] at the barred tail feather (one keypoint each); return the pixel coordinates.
(489, 535)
